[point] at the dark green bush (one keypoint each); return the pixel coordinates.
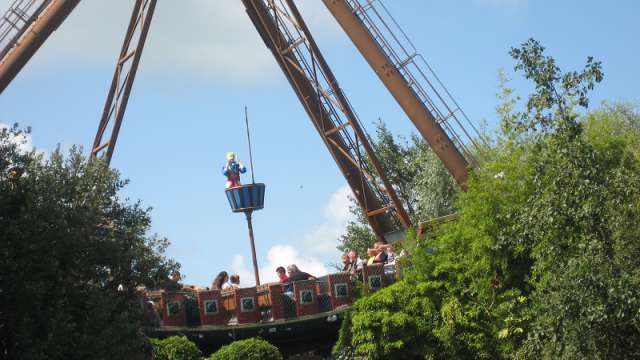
(249, 349)
(69, 241)
(543, 260)
(393, 323)
(175, 348)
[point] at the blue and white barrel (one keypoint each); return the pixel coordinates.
(246, 197)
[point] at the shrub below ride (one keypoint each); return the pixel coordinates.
(175, 348)
(249, 349)
(400, 314)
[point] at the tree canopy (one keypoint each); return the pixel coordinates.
(421, 181)
(72, 256)
(543, 261)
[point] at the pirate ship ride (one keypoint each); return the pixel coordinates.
(315, 307)
(286, 314)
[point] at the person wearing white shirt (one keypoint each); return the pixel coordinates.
(355, 262)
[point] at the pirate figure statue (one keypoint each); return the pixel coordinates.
(232, 170)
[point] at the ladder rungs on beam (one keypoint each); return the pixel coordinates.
(336, 129)
(100, 148)
(379, 211)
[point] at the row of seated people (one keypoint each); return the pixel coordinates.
(221, 282)
(380, 253)
(298, 295)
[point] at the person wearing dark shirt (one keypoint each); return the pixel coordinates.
(346, 264)
(296, 275)
(381, 257)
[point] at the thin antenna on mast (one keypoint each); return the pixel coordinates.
(246, 121)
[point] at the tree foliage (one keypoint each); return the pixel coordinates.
(249, 349)
(402, 314)
(67, 244)
(582, 222)
(544, 260)
(425, 188)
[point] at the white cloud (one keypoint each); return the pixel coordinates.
(322, 239)
(319, 244)
(238, 267)
(197, 38)
(284, 255)
(278, 255)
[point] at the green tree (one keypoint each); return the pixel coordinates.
(582, 223)
(72, 254)
(396, 156)
(401, 314)
(423, 184)
(436, 190)
(543, 261)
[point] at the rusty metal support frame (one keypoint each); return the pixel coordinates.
(419, 106)
(123, 78)
(17, 20)
(31, 39)
(283, 31)
(351, 117)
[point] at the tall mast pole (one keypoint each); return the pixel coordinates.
(248, 213)
(246, 121)
(253, 246)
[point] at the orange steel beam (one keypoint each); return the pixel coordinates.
(421, 117)
(269, 21)
(33, 38)
(123, 77)
(344, 103)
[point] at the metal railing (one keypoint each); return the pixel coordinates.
(419, 75)
(16, 20)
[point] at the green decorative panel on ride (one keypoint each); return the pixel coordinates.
(211, 307)
(173, 308)
(306, 297)
(341, 290)
(374, 282)
(247, 304)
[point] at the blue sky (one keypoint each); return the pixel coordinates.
(204, 62)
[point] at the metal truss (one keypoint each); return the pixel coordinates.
(287, 36)
(123, 78)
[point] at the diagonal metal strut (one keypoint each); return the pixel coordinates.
(284, 32)
(24, 29)
(123, 78)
